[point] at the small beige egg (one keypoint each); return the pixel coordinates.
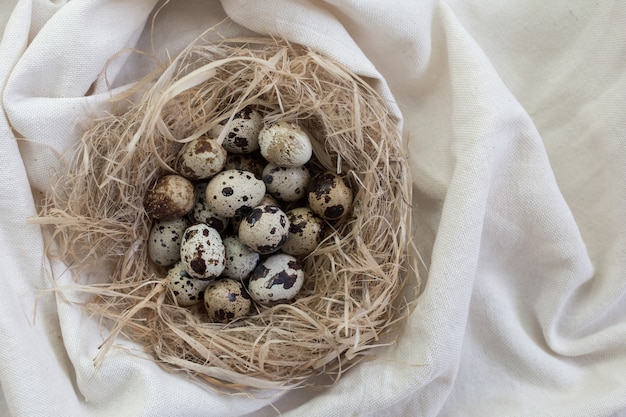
(202, 213)
(306, 231)
(164, 240)
(240, 260)
(288, 184)
(264, 229)
(226, 300)
(329, 196)
(242, 133)
(201, 159)
(285, 144)
(186, 289)
(171, 197)
(278, 278)
(233, 191)
(202, 252)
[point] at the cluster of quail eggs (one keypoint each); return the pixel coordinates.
(233, 226)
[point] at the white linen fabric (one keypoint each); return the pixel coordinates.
(515, 114)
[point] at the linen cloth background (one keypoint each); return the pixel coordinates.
(515, 113)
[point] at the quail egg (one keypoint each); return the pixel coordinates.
(277, 279)
(285, 144)
(164, 240)
(288, 184)
(202, 252)
(242, 134)
(306, 231)
(201, 158)
(264, 229)
(329, 196)
(171, 197)
(186, 289)
(233, 191)
(226, 300)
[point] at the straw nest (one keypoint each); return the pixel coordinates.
(352, 300)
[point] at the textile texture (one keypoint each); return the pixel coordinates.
(514, 116)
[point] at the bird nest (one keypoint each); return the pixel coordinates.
(353, 298)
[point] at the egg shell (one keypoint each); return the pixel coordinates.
(306, 231)
(202, 213)
(264, 229)
(171, 197)
(240, 260)
(278, 278)
(285, 144)
(186, 290)
(233, 191)
(250, 162)
(286, 183)
(164, 240)
(235, 221)
(201, 158)
(329, 196)
(226, 300)
(242, 133)
(202, 252)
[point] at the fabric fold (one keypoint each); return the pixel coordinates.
(514, 121)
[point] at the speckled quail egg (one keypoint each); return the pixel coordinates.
(202, 252)
(242, 133)
(202, 213)
(240, 259)
(306, 231)
(235, 221)
(226, 300)
(233, 191)
(171, 197)
(264, 229)
(285, 144)
(249, 162)
(329, 196)
(278, 278)
(286, 183)
(201, 159)
(165, 239)
(186, 289)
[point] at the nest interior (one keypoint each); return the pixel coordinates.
(352, 300)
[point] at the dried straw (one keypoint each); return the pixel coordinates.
(352, 300)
